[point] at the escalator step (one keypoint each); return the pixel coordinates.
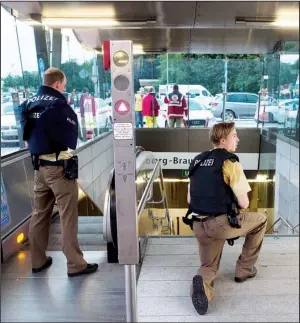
(90, 228)
(83, 239)
(82, 219)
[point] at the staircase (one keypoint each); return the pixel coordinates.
(90, 234)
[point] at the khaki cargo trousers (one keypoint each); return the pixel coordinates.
(50, 184)
(211, 236)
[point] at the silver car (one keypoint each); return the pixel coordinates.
(237, 105)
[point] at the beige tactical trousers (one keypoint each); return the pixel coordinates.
(211, 236)
(50, 184)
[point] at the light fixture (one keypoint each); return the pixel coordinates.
(267, 21)
(94, 22)
(20, 237)
(258, 179)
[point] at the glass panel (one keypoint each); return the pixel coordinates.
(19, 78)
(244, 74)
(88, 88)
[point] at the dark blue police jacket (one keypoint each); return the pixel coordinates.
(49, 124)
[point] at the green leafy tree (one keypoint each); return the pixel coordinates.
(78, 75)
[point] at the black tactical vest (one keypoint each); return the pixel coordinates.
(210, 195)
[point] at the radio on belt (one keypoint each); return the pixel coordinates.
(124, 150)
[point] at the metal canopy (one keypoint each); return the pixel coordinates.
(175, 26)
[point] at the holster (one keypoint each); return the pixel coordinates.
(232, 214)
(71, 168)
(188, 221)
(35, 162)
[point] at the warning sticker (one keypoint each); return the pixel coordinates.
(123, 131)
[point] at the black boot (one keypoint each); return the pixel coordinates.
(199, 298)
(47, 264)
(89, 269)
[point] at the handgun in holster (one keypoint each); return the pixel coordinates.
(71, 168)
(188, 221)
(35, 162)
(232, 215)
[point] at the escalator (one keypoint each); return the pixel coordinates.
(50, 295)
(148, 174)
(97, 230)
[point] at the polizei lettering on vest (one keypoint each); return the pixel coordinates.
(207, 162)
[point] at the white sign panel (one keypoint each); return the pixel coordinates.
(177, 160)
(123, 131)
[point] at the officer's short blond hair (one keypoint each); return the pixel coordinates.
(219, 131)
(53, 75)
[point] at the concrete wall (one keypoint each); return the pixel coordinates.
(95, 164)
(287, 183)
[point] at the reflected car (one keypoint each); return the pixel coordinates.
(9, 131)
(199, 116)
(270, 112)
(238, 105)
(287, 113)
(102, 122)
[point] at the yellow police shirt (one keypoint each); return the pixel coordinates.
(52, 157)
(234, 176)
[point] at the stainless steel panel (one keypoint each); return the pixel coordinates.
(163, 140)
(249, 140)
(10, 244)
(29, 172)
(18, 196)
(192, 140)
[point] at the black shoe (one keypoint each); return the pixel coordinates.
(89, 269)
(199, 298)
(251, 275)
(47, 264)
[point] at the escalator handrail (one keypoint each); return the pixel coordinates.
(107, 234)
(144, 197)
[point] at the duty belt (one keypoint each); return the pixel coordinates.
(43, 162)
(204, 218)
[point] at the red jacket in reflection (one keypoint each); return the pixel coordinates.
(87, 104)
(150, 106)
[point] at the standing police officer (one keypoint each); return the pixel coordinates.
(218, 189)
(50, 128)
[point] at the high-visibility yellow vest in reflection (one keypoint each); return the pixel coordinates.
(138, 102)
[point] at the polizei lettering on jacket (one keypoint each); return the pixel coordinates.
(42, 97)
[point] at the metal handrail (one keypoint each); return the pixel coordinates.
(145, 197)
(285, 222)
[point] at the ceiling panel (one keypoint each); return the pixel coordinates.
(187, 26)
(151, 39)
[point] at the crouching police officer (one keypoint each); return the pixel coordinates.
(50, 128)
(218, 189)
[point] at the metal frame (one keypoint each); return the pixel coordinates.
(281, 219)
(149, 190)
